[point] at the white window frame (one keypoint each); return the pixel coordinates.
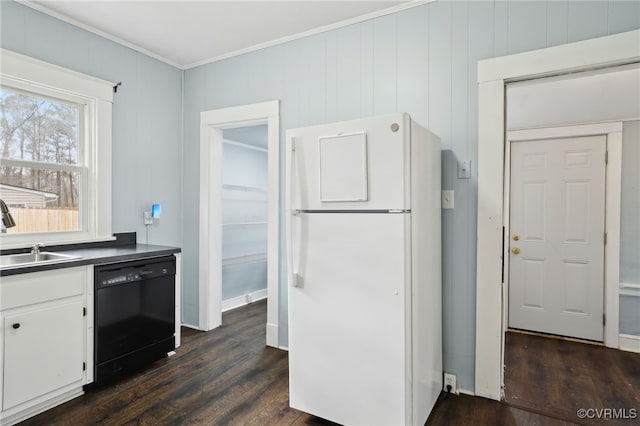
(30, 75)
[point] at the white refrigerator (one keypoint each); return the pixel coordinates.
(364, 271)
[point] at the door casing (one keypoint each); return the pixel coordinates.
(212, 124)
(493, 74)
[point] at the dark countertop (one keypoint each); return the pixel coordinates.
(95, 256)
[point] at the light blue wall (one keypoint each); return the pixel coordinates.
(422, 61)
(147, 113)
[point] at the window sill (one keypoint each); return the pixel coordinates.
(27, 241)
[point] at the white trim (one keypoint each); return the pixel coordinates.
(191, 326)
(178, 302)
(613, 131)
(565, 131)
(210, 245)
(244, 300)
(40, 7)
(34, 72)
(314, 31)
(629, 343)
(612, 50)
(466, 392)
(351, 21)
(210, 256)
(612, 248)
(618, 49)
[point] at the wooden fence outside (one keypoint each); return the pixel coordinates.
(44, 220)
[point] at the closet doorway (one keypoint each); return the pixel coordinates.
(244, 215)
(239, 217)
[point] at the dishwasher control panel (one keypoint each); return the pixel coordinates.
(135, 271)
(121, 279)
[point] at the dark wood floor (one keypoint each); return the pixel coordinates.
(228, 377)
(559, 377)
(547, 381)
(223, 377)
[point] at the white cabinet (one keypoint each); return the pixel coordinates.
(43, 341)
(43, 351)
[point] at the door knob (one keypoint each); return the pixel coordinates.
(515, 250)
(516, 237)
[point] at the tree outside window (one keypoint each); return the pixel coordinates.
(41, 168)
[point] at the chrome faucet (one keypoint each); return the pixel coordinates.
(36, 248)
(7, 219)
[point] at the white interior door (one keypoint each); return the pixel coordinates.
(556, 270)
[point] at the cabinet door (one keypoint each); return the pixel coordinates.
(43, 351)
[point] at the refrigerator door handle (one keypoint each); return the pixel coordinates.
(293, 276)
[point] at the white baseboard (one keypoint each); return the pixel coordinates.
(466, 392)
(629, 343)
(236, 302)
(284, 348)
(272, 335)
(194, 327)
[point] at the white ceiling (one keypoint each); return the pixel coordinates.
(190, 33)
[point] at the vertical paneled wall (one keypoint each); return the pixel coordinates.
(422, 61)
(147, 114)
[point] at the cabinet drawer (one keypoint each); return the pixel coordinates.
(36, 287)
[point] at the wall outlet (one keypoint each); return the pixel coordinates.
(464, 169)
(147, 219)
(447, 199)
(450, 380)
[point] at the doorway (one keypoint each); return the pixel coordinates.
(493, 75)
(562, 197)
(252, 221)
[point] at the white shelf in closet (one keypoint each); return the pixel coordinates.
(244, 224)
(241, 260)
(244, 188)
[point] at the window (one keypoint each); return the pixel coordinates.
(55, 153)
(41, 171)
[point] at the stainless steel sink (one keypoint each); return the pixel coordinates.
(30, 259)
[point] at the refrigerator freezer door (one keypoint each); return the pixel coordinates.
(354, 165)
(347, 357)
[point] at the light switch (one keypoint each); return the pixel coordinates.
(447, 199)
(464, 169)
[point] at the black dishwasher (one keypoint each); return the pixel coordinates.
(134, 315)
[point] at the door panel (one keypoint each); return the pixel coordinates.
(347, 317)
(556, 279)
